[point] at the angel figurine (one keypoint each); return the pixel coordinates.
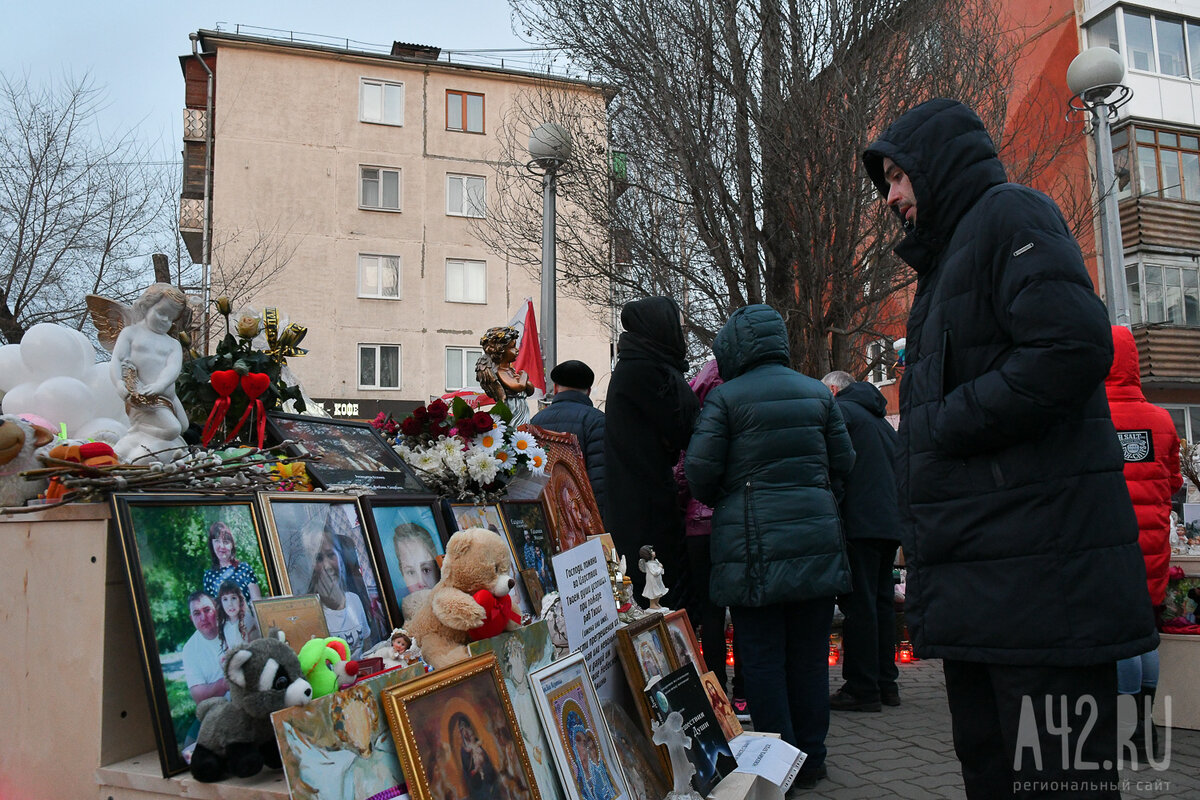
(670, 733)
(655, 588)
(496, 375)
(146, 360)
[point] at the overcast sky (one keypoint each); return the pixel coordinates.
(131, 47)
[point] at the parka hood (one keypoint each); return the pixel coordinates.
(866, 395)
(1125, 371)
(951, 161)
(753, 335)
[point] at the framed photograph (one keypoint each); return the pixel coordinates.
(570, 504)
(351, 453)
(320, 547)
(488, 517)
(518, 653)
(409, 537)
(300, 618)
(726, 716)
(644, 647)
(578, 733)
(532, 541)
(338, 747)
(647, 780)
(457, 735)
(683, 640)
(195, 565)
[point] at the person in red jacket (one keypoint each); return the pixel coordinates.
(1151, 448)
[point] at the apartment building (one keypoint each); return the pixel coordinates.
(373, 167)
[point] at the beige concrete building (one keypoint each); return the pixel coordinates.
(371, 166)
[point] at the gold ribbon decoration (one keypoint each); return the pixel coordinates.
(283, 345)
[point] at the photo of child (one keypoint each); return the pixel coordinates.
(234, 618)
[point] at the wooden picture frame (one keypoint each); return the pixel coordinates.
(349, 453)
(320, 545)
(409, 536)
(167, 540)
(533, 543)
(684, 641)
(455, 728)
(489, 517)
(568, 496)
(574, 721)
(644, 648)
(299, 617)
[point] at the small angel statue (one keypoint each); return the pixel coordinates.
(146, 360)
(496, 375)
(655, 588)
(670, 733)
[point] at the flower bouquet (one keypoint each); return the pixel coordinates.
(465, 454)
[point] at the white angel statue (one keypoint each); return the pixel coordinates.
(146, 360)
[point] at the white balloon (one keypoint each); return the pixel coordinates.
(108, 402)
(65, 400)
(12, 368)
(102, 429)
(88, 350)
(19, 399)
(49, 350)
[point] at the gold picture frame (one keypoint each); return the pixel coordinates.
(644, 648)
(568, 496)
(684, 641)
(462, 711)
(299, 617)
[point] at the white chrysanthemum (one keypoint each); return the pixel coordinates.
(448, 446)
(482, 466)
(488, 440)
(455, 462)
(429, 460)
(522, 442)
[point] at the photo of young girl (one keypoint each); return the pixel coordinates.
(236, 623)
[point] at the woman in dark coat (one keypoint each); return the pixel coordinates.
(649, 414)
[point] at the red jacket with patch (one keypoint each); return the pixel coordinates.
(1151, 449)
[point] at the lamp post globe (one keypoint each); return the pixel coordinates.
(550, 145)
(1095, 70)
(550, 149)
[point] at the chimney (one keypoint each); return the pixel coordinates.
(420, 51)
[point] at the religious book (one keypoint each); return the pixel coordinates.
(682, 691)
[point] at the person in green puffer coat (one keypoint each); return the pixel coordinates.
(766, 445)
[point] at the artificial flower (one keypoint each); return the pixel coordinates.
(486, 440)
(522, 441)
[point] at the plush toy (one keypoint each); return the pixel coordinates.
(475, 559)
(327, 666)
(235, 735)
(19, 444)
(88, 454)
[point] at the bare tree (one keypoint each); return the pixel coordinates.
(75, 205)
(725, 169)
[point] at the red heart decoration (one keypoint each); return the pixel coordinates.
(498, 611)
(224, 381)
(255, 383)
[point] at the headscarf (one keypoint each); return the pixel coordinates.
(652, 332)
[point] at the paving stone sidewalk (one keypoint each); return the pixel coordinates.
(906, 751)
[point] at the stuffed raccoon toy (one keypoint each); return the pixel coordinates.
(235, 735)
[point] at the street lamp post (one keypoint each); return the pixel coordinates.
(1094, 77)
(549, 148)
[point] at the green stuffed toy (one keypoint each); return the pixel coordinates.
(327, 665)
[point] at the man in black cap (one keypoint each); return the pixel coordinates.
(571, 411)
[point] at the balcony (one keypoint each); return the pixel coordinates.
(191, 226)
(1169, 355)
(1158, 224)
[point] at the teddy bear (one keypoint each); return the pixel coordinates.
(476, 559)
(327, 666)
(20, 442)
(236, 736)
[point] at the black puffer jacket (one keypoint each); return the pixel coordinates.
(766, 446)
(868, 500)
(572, 412)
(1018, 532)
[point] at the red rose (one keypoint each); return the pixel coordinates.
(410, 427)
(437, 411)
(482, 421)
(420, 413)
(466, 428)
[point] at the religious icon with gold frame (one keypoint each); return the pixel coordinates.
(568, 496)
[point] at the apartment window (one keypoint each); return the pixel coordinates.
(466, 281)
(460, 368)
(466, 196)
(1152, 42)
(379, 366)
(381, 101)
(882, 359)
(1163, 293)
(1167, 163)
(464, 112)
(380, 188)
(379, 276)
(1187, 421)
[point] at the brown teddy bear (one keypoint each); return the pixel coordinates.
(476, 559)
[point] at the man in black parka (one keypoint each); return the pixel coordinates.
(571, 411)
(871, 523)
(1024, 572)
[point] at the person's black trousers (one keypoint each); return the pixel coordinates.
(1034, 732)
(869, 628)
(709, 618)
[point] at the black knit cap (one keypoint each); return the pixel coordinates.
(574, 374)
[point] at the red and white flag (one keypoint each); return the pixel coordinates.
(529, 353)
